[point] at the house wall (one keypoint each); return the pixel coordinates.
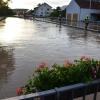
(87, 12)
(73, 8)
(43, 11)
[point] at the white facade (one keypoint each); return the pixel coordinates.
(88, 12)
(74, 8)
(43, 10)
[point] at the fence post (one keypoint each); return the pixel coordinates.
(95, 93)
(57, 94)
(72, 94)
(84, 93)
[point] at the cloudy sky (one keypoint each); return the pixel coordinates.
(32, 3)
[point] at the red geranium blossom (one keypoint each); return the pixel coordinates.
(19, 91)
(84, 58)
(41, 66)
(67, 63)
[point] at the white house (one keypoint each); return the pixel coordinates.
(43, 10)
(79, 9)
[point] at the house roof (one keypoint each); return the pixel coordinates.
(86, 4)
(45, 4)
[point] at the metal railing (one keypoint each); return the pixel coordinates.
(65, 93)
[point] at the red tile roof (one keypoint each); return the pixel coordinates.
(86, 4)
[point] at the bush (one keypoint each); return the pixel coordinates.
(82, 70)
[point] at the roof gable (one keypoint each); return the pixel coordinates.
(45, 4)
(86, 4)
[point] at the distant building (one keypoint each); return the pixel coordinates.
(43, 10)
(20, 11)
(79, 9)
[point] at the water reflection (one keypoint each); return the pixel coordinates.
(77, 33)
(7, 61)
(7, 67)
(60, 27)
(9, 34)
(6, 64)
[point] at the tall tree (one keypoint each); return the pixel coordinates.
(4, 9)
(4, 3)
(58, 12)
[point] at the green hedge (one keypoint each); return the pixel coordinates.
(81, 71)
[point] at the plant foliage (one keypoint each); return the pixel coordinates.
(81, 71)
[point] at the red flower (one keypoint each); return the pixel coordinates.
(41, 66)
(19, 91)
(67, 63)
(84, 58)
(94, 72)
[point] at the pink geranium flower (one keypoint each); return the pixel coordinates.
(41, 66)
(19, 91)
(67, 63)
(84, 58)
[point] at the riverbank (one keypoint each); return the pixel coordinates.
(2, 18)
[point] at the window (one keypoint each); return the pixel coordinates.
(48, 9)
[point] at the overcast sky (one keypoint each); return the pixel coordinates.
(32, 3)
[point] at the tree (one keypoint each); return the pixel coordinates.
(3, 3)
(58, 12)
(63, 13)
(4, 9)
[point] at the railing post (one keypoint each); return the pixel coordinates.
(57, 94)
(95, 93)
(72, 94)
(84, 93)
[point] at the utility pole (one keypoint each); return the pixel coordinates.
(90, 4)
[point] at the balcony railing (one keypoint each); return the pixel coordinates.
(65, 93)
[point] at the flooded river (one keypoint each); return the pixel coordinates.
(26, 43)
